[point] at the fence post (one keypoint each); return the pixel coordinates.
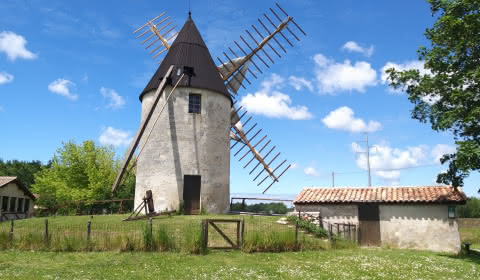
(243, 231)
(150, 225)
(46, 230)
(205, 233)
(329, 232)
(11, 231)
(89, 230)
(296, 234)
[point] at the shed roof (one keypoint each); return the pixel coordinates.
(425, 194)
(5, 180)
(189, 50)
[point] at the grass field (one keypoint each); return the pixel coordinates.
(472, 235)
(329, 264)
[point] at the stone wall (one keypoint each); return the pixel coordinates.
(332, 213)
(183, 143)
(425, 227)
(408, 226)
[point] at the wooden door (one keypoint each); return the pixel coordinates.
(191, 194)
(369, 225)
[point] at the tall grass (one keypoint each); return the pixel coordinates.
(175, 234)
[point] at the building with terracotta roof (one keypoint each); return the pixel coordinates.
(16, 200)
(399, 217)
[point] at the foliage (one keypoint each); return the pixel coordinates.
(470, 210)
(448, 95)
(309, 226)
(24, 170)
(272, 208)
(77, 173)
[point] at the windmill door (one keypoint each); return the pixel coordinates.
(369, 221)
(191, 194)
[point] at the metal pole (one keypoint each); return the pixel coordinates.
(368, 163)
(333, 179)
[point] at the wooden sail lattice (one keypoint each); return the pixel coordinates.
(234, 72)
(160, 42)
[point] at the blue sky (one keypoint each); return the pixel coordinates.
(74, 70)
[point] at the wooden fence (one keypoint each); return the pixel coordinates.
(347, 231)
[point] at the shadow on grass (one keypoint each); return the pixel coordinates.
(473, 256)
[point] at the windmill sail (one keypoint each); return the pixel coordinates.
(234, 73)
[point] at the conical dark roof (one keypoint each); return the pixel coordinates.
(189, 50)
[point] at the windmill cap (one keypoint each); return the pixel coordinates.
(190, 54)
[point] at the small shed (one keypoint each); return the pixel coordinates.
(16, 200)
(397, 217)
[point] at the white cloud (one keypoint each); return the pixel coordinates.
(5, 78)
(311, 171)
(268, 101)
(115, 137)
(441, 149)
(343, 119)
(293, 166)
(352, 46)
(13, 46)
(298, 83)
(62, 87)
(116, 101)
(332, 76)
(384, 158)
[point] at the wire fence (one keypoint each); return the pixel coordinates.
(176, 233)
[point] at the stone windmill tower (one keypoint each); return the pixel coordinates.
(189, 119)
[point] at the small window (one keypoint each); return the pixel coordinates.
(194, 103)
(20, 205)
(12, 204)
(451, 212)
(26, 206)
(5, 203)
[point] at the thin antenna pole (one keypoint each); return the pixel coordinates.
(368, 161)
(368, 158)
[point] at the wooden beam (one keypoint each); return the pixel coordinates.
(259, 47)
(143, 126)
(254, 152)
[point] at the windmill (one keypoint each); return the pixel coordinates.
(190, 116)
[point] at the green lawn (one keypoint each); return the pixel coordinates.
(330, 264)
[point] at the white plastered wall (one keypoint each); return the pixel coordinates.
(12, 190)
(183, 143)
(417, 226)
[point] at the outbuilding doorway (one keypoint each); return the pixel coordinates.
(191, 194)
(369, 224)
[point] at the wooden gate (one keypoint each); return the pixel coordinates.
(226, 233)
(369, 225)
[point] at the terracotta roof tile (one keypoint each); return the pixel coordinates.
(426, 194)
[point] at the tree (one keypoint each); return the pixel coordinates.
(80, 173)
(24, 170)
(448, 95)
